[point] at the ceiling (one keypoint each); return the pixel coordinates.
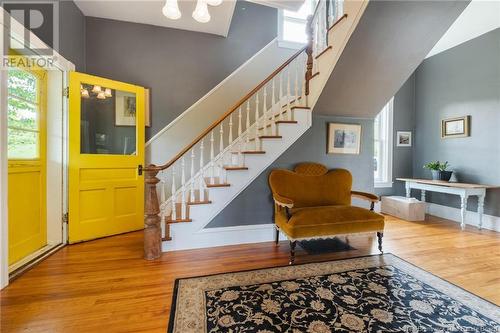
(149, 12)
(478, 18)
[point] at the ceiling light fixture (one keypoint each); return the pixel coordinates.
(201, 13)
(107, 92)
(171, 10)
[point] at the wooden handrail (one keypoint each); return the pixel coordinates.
(225, 115)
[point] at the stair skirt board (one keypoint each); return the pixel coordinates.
(211, 237)
(184, 234)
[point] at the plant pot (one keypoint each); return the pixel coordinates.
(441, 175)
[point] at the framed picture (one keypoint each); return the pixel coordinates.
(403, 139)
(125, 108)
(147, 107)
(455, 127)
(344, 138)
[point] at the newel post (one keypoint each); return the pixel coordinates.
(152, 220)
(309, 52)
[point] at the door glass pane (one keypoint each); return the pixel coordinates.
(22, 144)
(23, 85)
(108, 123)
(21, 114)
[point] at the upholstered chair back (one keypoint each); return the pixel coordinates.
(311, 184)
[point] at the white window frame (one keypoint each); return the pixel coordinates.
(386, 133)
(286, 43)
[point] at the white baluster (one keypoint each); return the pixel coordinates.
(297, 64)
(212, 166)
(223, 173)
(191, 197)
(273, 108)
(288, 95)
(230, 138)
(264, 110)
(221, 142)
(183, 194)
(256, 124)
(239, 122)
(247, 128)
(221, 138)
(162, 188)
(174, 196)
(241, 162)
(280, 97)
(202, 178)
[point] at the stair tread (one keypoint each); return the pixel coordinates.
(218, 185)
(323, 52)
(270, 136)
(234, 168)
(170, 221)
(286, 122)
(253, 152)
(197, 202)
(301, 107)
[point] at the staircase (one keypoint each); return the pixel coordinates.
(186, 193)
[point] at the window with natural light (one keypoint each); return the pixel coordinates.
(383, 146)
(292, 25)
(23, 115)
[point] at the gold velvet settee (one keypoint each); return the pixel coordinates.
(312, 202)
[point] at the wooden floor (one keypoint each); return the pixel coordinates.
(106, 286)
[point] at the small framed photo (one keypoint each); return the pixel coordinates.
(455, 127)
(403, 139)
(344, 138)
(125, 108)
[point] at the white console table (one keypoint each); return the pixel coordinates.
(462, 189)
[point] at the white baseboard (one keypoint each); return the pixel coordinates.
(212, 237)
(472, 218)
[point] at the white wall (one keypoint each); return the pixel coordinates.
(478, 18)
(210, 107)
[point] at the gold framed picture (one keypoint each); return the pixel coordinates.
(455, 127)
(344, 138)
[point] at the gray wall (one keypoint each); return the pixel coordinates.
(179, 66)
(404, 120)
(389, 42)
(72, 34)
(464, 80)
(254, 205)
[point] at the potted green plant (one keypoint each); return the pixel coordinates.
(439, 171)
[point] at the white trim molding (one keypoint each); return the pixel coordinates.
(386, 133)
(490, 222)
(211, 237)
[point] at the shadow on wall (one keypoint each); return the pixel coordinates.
(255, 205)
(448, 86)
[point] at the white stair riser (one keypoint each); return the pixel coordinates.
(183, 234)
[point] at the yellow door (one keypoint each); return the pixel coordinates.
(26, 101)
(106, 154)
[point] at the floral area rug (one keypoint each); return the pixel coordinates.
(381, 293)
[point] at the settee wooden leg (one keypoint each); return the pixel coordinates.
(292, 252)
(379, 236)
(277, 236)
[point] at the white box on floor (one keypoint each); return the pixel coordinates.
(409, 209)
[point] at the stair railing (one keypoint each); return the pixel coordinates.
(185, 179)
(223, 145)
